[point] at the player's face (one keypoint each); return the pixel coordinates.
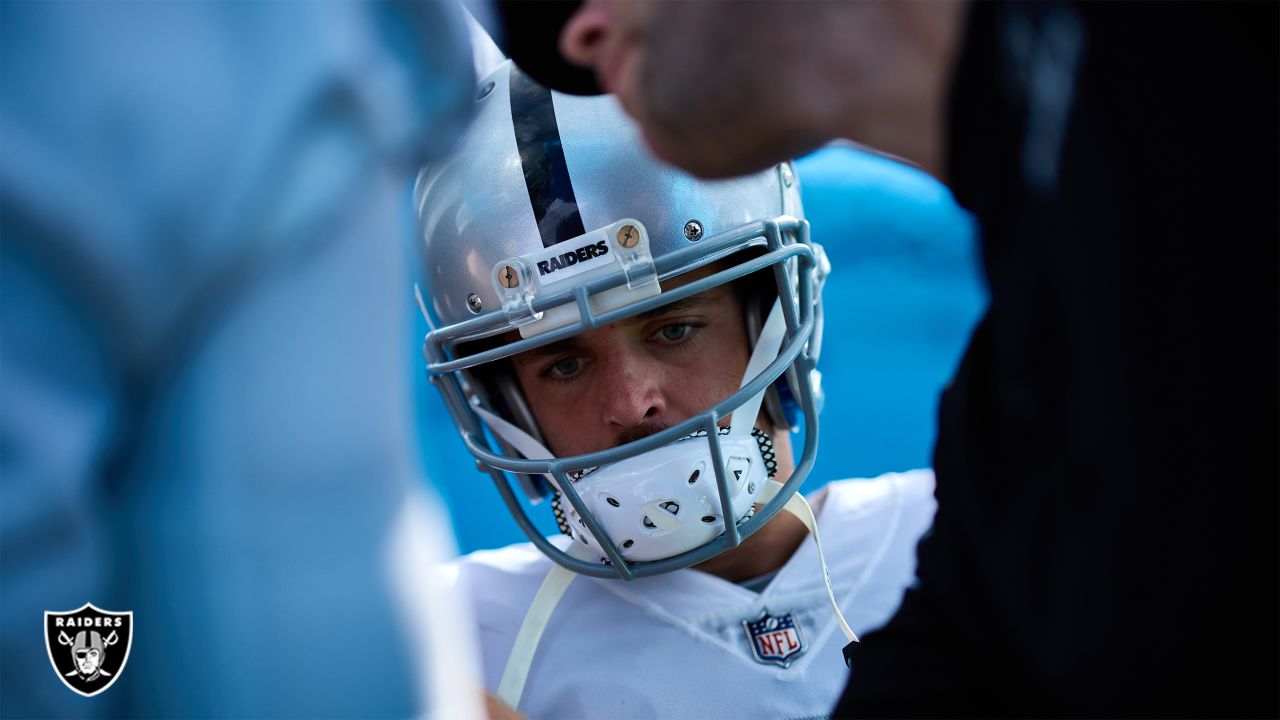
(87, 661)
(631, 379)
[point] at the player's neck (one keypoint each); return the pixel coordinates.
(764, 552)
(772, 545)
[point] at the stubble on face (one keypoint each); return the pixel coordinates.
(625, 369)
(688, 382)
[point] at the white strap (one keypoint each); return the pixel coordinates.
(799, 507)
(766, 350)
(516, 673)
(517, 438)
(422, 305)
(526, 444)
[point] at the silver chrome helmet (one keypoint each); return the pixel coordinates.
(550, 219)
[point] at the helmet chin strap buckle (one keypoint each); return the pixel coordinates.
(848, 653)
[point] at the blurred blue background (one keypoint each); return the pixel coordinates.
(203, 367)
(904, 294)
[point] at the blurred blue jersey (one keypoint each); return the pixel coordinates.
(903, 295)
(205, 417)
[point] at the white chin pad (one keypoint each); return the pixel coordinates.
(664, 502)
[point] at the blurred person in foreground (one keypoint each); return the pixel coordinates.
(202, 394)
(1106, 469)
(641, 346)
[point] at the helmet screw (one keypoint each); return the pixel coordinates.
(787, 177)
(751, 488)
(473, 303)
(628, 236)
(508, 277)
(693, 230)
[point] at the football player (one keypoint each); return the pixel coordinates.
(636, 349)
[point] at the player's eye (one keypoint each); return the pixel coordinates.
(674, 332)
(564, 368)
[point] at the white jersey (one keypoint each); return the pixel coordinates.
(680, 645)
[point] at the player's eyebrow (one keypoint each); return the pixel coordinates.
(555, 348)
(702, 299)
(568, 344)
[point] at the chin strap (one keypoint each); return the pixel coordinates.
(799, 507)
(516, 673)
(522, 441)
(765, 351)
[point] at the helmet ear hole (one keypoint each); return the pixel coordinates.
(708, 519)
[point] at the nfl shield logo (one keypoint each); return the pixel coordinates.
(775, 638)
(88, 647)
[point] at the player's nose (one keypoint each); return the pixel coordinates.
(633, 395)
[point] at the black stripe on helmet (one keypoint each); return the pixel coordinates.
(546, 175)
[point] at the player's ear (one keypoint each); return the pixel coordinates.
(584, 34)
(530, 32)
